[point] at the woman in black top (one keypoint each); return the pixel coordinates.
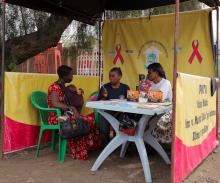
(112, 90)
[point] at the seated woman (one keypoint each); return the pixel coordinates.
(56, 99)
(156, 74)
(112, 90)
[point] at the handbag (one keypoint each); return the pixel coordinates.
(73, 130)
(126, 124)
(66, 129)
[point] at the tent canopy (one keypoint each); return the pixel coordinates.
(89, 11)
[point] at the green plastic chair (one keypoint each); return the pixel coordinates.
(39, 100)
(96, 114)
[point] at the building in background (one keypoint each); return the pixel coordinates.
(45, 62)
(86, 63)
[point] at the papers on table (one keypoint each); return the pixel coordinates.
(160, 103)
(148, 106)
(124, 103)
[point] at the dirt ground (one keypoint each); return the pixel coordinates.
(23, 167)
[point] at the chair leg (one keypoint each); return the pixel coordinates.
(62, 149)
(39, 141)
(96, 117)
(53, 140)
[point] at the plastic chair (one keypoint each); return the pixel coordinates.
(39, 100)
(96, 114)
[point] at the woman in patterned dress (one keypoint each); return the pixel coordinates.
(78, 148)
(163, 130)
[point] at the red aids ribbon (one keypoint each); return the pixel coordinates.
(118, 54)
(195, 45)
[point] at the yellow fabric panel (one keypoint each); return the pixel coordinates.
(138, 36)
(195, 109)
(19, 86)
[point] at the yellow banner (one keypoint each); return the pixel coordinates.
(132, 44)
(195, 109)
(19, 86)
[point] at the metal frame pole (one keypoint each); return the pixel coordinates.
(2, 78)
(176, 35)
(100, 61)
(217, 47)
(217, 64)
(217, 41)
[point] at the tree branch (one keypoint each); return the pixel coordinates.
(21, 48)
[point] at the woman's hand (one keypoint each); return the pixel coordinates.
(62, 119)
(105, 93)
(76, 113)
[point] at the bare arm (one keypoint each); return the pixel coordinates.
(57, 104)
(55, 101)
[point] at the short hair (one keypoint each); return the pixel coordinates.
(117, 70)
(64, 70)
(157, 67)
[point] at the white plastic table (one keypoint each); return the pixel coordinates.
(149, 117)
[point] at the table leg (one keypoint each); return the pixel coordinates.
(115, 142)
(124, 139)
(154, 143)
(148, 138)
(124, 149)
(139, 132)
(144, 159)
(111, 119)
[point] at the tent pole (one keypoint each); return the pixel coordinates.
(217, 61)
(2, 77)
(176, 34)
(100, 62)
(215, 3)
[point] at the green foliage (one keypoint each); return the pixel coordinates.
(190, 5)
(11, 67)
(21, 21)
(70, 51)
(84, 37)
(185, 6)
(124, 14)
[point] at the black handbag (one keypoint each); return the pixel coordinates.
(125, 122)
(73, 130)
(80, 128)
(66, 129)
